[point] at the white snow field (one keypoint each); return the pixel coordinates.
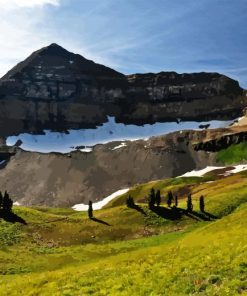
(100, 204)
(229, 170)
(108, 132)
(200, 173)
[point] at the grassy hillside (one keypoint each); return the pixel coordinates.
(210, 260)
(233, 154)
(127, 251)
(180, 186)
(222, 194)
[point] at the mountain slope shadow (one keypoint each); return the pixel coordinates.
(177, 213)
(138, 209)
(11, 217)
(201, 216)
(196, 216)
(213, 217)
(169, 214)
(100, 221)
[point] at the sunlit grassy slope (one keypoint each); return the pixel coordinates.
(233, 154)
(60, 252)
(222, 195)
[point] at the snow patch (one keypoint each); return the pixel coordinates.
(120, 146)
(86, 149)
(108, 132)
(100, 204)
(16, 203)
(202, 172)
(237, 169)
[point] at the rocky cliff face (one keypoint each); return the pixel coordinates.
(221, 141)
(196, 96)
(171, 86)
(56, 89)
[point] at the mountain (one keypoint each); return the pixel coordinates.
(56, 89)
(55, 73)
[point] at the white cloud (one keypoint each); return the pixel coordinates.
(25, 30)
(28, 25)
(14, 4)
(22, 30)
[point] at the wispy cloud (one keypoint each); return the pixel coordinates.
(21, 23)
(15, 4)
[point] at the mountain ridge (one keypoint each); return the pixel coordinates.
(58, 90)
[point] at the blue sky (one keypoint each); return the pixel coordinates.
(132, 35)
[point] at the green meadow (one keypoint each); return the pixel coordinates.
(233, 154)
(128, 251)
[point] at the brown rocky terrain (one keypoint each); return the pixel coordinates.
(66, 179)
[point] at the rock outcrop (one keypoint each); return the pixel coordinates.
(171, 86)
(222, 141)
(56, 89)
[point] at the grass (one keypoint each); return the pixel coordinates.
(228, 191)
(206, 260)
(61, 252)
(233, 154)
(180, 186)
(9, 234)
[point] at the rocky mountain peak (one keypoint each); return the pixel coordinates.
(53, 61)
(53, 72)
(54, 50)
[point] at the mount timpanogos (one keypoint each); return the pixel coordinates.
(56, 89)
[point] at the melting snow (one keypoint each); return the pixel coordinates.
(87, 149)
(16, 203)
(120, 146)
(100, 204)
(200, 173)
(108, 132)
(237, 169)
